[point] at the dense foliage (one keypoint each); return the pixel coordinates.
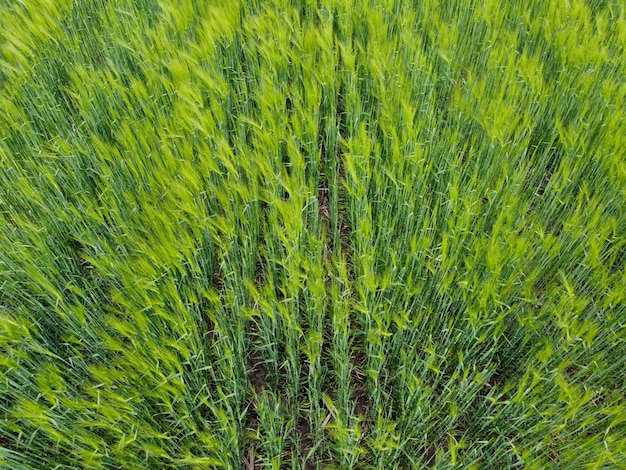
(332, 234)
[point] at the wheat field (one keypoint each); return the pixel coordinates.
(332, 234)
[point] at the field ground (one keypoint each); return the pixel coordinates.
(295, 234)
